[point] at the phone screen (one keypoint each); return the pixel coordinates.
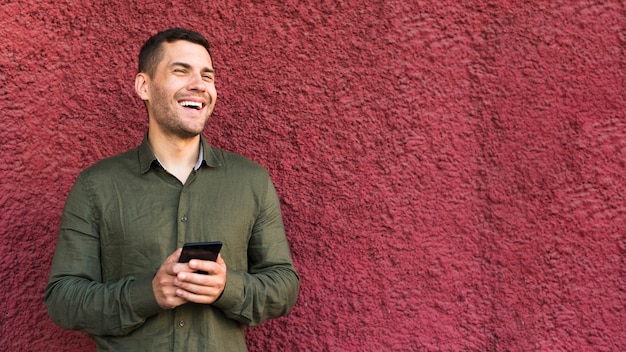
(200, 250)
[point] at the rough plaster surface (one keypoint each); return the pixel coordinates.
(452, 173)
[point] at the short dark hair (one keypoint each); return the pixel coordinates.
(152, 50)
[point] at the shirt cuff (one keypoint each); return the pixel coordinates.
(232, 294)
(142, 297)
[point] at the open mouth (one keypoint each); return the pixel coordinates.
(191, 104)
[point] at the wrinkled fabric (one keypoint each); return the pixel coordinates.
(126, 214)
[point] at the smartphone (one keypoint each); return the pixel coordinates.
(200, 250)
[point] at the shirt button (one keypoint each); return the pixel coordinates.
(184, 218)
(181, 323)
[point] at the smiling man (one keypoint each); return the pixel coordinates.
(116, 271)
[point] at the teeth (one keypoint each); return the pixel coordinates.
(191, 104)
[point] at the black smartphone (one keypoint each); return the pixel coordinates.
(200, 250)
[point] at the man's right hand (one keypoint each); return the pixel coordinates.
(163, 282)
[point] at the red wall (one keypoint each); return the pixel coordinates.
(452, 173)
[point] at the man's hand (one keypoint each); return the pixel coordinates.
(177, 283)
(201, 288)
(163, 283)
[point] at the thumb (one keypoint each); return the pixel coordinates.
(219, 259)
(173, 258)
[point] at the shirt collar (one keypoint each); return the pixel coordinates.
(200, 155)
(147, 157)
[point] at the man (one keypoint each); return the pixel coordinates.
(115, 272)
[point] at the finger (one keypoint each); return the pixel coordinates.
(174, 257)
(212, 268)
(164, 290)
(202, 265)
(183, 279)
(172, 301)
(196, 289)
(173, 267)
(207, 296)
(201, 284)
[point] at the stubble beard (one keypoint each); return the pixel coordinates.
(168, 119)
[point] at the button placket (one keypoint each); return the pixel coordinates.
(183, 215)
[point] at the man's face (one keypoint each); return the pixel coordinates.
(181, 95)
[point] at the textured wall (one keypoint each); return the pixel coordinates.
(452, 173)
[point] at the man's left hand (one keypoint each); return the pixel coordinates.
(202, 288)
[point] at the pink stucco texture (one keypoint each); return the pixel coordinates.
(451, 173)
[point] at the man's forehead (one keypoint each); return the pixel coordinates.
(182, 51)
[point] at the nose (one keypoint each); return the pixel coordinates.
(196, 83)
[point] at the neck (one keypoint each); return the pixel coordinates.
(177, 155)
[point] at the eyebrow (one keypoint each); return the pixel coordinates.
(188, 66)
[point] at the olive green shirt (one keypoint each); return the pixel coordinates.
(126, 214)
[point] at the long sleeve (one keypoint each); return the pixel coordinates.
(269, 288)
(76, 296)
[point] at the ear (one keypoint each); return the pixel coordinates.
(141, 85)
